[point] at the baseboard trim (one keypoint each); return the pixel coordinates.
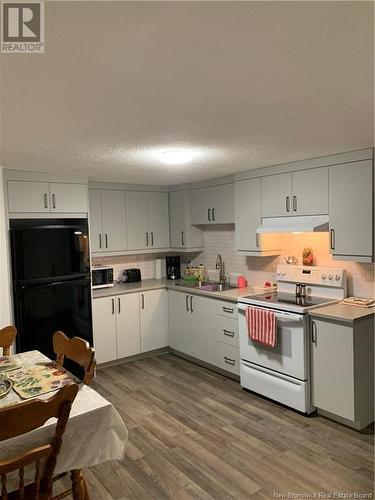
(141, 355)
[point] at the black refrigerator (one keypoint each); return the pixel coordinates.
(51, 281)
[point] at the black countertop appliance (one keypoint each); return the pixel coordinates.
(173, 265)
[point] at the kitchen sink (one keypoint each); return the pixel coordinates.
(208, 287)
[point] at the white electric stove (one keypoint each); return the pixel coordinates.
(282, 373)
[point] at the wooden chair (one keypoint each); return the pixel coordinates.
(77, 350)
(7, 336)
(25, 417)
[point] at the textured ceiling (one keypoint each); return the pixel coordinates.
(241, 84)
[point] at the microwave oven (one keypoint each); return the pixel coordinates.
(102, 277)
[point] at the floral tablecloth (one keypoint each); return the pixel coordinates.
(95, 432)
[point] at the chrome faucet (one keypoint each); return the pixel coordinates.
(220, 266)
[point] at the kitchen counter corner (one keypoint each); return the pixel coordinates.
(342, 312)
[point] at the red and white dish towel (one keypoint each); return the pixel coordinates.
(261, 326)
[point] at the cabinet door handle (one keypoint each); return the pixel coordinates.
(287, 204)
(213, 214)
(152, 238)
(228, 333)
(228, 310)
(53, 200)
(119, 304)
(229, 361)
(294, 203)
(113, 306)
(183, 238)
(187, 302)
(314, 337)
(106, 240)
(333, 239)
(209, 214)
(45, 197)
(143, 301)
(146, 239)
(191, 304)
(100, 241)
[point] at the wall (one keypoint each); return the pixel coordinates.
(5, 314)
(259, 269)
(144, 262)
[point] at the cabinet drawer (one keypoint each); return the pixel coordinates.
(228, 358)
(227, 331)
(227, 309)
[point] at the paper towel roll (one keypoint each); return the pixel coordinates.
(159, 269)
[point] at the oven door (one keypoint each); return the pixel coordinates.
(289, 356)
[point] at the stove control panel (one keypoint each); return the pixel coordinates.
(329, 276)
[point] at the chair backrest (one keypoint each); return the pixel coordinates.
(7, 336)
(25, 417)
(77, 350)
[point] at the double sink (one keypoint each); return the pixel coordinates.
(207, 287)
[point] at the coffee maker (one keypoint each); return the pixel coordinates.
(173, 266)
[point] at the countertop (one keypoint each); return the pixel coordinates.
(231, 295)
(342, 312)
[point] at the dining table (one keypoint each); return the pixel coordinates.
(95, 432)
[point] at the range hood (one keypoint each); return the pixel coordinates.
(294, 224)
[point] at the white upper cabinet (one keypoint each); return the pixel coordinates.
(95, 218)
(154, 320)
(68, 197)
(114, 220)
(247, 203)
(158, 211)
(277, 195)
(212, 205)
(147, 220)
(38, 197)
(304, 192)
(247, 214)
(182, 234)
(107, 220)
(310, 192)
(351, 210)
(137, 220)
(28, 197)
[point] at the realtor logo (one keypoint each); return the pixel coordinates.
(22, 27)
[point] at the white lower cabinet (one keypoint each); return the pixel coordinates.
(343, 369)
(104, 329)
(154, 320)
(196, 329)
(128, 324)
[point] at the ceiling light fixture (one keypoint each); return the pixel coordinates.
(175, 156)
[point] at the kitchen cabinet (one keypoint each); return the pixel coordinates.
(351, 211)
(182, 234)
(343, 369)
(107, 220)
(147, 216)
(128, 325)
(104, 329)
(247, 210)
(45, 197)
(154, 320)
(196, 329)
(212, 205)
(303, 192)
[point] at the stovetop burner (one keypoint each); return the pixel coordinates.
(284, 300)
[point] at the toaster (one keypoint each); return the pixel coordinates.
(131, 275)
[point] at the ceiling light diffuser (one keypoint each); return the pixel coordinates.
(175, 156)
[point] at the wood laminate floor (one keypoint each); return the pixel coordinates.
(196, 434)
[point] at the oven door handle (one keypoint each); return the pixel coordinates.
(279, 315)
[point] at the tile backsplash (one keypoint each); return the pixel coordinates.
(221, 239)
